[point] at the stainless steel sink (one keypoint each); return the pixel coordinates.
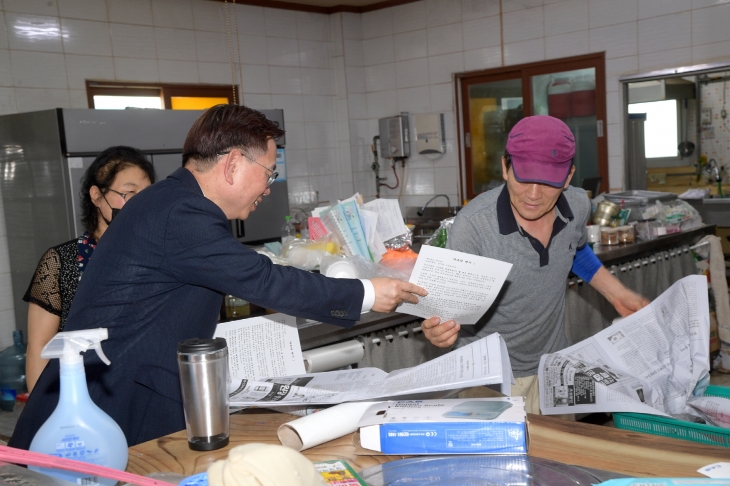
(423, 231)
(421, 234)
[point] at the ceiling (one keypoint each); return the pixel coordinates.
(325, 6)
(330, 3)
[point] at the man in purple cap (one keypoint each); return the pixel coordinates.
(537, 222)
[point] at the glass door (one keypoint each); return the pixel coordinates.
(491, 102)
(492, 110)
(571, 96)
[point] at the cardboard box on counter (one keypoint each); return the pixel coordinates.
(450, 426)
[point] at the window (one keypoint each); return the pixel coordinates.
(120, 96)
(660, 128)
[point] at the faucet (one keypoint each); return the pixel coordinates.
(448, 203)
(716, 171)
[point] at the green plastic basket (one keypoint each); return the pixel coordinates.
(677, 429)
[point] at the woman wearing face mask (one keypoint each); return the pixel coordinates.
(114, 177)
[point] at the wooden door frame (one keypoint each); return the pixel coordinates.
(165, 90)
(524, 72)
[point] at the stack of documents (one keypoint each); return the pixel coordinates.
(359, 228)
(483, 362)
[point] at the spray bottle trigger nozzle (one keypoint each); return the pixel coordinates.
(97, 347)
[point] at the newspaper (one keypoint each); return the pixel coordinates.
(714, 410)
(649, 362)
(483, 362)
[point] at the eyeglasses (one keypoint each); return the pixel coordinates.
(124, 195)
(273, 175)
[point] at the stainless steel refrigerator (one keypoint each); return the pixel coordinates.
(44, 154)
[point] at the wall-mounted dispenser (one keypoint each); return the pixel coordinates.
(394, 139)
(430, 138)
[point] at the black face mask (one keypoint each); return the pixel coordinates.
(115, 211)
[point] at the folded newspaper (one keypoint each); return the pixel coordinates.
(650, 362)
(483, 362)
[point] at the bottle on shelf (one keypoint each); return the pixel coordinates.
(12, 372)
(237, 308)
(441, 238)
(288, 232)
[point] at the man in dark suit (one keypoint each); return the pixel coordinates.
(160, 273)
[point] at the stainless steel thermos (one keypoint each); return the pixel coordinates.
(204, 381)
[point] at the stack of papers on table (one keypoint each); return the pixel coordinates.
(483, 362)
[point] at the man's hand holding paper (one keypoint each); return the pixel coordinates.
(461, 287)
(440, 335)
(390, 292)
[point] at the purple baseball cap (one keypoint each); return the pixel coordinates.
(542, 148)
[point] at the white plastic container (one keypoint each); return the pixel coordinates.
(78, 429)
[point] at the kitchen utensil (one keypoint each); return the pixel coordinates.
(609, 236)
(625, 234)
(593, 233)
(605, 211)
(686, 148)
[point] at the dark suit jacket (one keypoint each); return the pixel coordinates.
(158, 277)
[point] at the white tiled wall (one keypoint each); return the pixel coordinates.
(429, 40)
(334, 75)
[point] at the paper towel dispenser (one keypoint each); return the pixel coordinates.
(430, 137)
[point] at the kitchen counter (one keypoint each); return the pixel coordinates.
(314, 334)
(595, 446)
(610, 254)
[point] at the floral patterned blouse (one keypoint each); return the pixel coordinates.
(58, 274)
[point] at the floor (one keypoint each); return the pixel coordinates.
(720, 379)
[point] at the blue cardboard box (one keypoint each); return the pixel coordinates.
(450, 426)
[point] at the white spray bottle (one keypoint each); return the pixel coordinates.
(78, 428)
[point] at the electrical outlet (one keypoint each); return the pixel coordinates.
(707, 116)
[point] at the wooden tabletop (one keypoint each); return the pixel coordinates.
(595, 446)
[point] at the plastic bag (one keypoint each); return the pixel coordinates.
(307, 254)
(675, 216)
(357, 267)
(441, 234)
(402, 260)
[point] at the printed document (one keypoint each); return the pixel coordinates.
(649, 362)
(483, 362)
(262, 346)
(390, 218)
(460, 286)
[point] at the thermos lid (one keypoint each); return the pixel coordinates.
(197, 346)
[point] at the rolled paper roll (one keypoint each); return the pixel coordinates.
(332, 357)
(321, 427)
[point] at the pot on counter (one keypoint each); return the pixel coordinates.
(605, 212)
